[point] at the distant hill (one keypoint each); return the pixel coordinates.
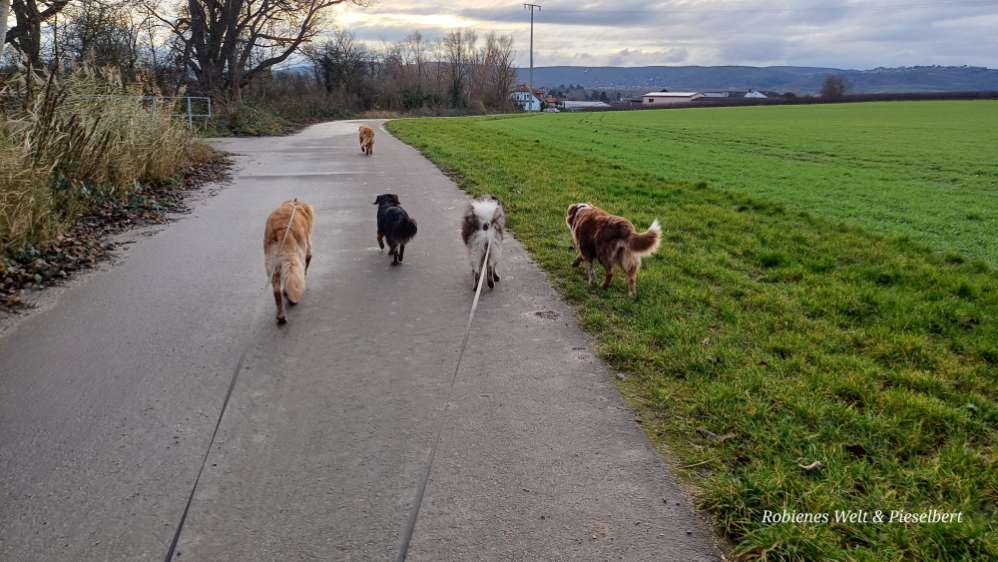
(799, 79)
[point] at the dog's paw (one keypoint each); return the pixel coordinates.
(281, 320)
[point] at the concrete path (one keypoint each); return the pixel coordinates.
(109, 398)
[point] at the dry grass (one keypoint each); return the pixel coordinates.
(25, 199)
(76, 139)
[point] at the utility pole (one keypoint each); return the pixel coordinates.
(531, 8)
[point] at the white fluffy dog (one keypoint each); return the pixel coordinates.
(484, 221)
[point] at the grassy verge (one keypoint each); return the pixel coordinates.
(766, 338)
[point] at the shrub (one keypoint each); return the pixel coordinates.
(245, 120)
(76, 139)
(96, 133)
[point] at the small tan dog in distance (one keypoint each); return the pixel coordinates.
(366, 140)
(287, 251)
(612, 240)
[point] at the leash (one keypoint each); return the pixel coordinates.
(414, 513)
(172, 551)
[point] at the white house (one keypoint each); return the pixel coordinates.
(526, 100)
(669, 98)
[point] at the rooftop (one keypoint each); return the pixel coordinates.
(569, 103)
(671, 94)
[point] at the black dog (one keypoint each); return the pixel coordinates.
(395, 225)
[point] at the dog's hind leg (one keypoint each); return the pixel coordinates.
(490, 276)
(275, 281)
(393, 252)
(401, 252)
(608, 275)
(632, 281)
(381, 241)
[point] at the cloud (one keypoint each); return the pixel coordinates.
(838, 33)
(637, 57)
(755, 50)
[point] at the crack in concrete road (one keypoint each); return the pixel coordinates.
(109, 398)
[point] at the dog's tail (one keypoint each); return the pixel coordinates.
(293, 276)
(646, 243)
(407, 229)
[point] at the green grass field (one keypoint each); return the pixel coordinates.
(826, 291)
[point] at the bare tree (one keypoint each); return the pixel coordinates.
(459, 49)
(4, 12)
(834, 87)
(105, 32)
(491, 70)
(438, 54)
(26, 36)
(503, 74)
(148, 26)
(229, 43)
(340, 64)
(415, 49)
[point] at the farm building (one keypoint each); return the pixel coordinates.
(755, 94)
(669, 98)
(582, 105)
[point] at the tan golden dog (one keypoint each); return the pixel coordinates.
(611, 240)
(287, 250)
(366, 140)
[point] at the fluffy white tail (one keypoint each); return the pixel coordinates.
(646, 243)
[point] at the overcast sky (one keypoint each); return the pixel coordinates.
(834, 33)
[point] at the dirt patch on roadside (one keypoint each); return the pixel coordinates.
(29, 270)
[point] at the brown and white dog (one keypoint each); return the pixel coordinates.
(287, 251)
(611, 240)
(366, 140)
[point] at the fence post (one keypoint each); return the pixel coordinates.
(190, 116)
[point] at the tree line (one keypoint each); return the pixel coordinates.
(462, 70)
(578, 93)
(234, 48)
